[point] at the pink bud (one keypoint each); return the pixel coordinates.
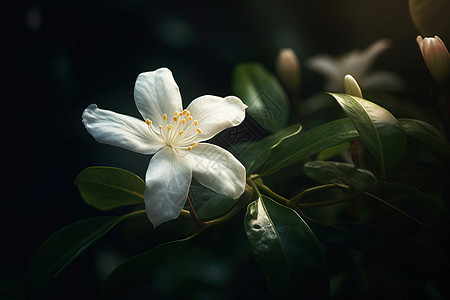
(436, 58)
(288, 69)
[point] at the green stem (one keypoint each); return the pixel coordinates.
(397, 210)
(296, 199)
(280, 199)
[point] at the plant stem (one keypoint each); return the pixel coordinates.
(199, 223)
(397, 210)
(271, 193)
(296, 199)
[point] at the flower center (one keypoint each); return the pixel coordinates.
(179, 134)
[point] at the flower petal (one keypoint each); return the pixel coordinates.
(218, 170)
(215, 114)
(120, 130)
(156, 93)
(167, 183)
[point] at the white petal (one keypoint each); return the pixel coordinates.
(120, 130)
(156, 93)
(215, 114)
(167, 183)
(325, 65)
(218, 170)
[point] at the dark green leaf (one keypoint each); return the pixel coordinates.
(260, 90)
(379, 130)
(392, 247)
(309, 143)
(63, 247)
(253, 155)
(337, 172)
(129, 274)
(286, 250)
(333, 151)
(107, 188)
(207, 203)
(425, 133)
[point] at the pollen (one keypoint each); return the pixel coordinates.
(198, 130)
(181, 132)
(175, 119)
(183, 121)
(180, 114)
(164, 117)
(189, 118)
(189, 148)
(194, 145)
(169, 127)
(195, 122)
(148, 122)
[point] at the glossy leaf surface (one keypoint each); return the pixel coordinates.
(309, 143)
(63, 247)
(106, 188)
(128, 275)
(286, 250)
(379, 130)
(337, 172)
(262, 92)
(253, 155)
(425, 133)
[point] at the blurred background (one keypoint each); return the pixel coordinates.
(57, 57)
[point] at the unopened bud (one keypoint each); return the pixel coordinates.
(288, 69)
(436, 58)
(351, 86)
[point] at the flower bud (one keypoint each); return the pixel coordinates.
(351, 86)
(288, 69)
(436, 58)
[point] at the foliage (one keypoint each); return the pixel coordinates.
(337, 191)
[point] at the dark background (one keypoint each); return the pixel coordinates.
(57, 57)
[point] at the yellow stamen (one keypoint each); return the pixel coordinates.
(198, 130)
(195, 122)
(164, 117)
(189, 118)
(180, 114)
(194, 145)
(175, 119)
(187, 113)
(148, 122)
(183, 121)
(181, 132)
(160, 127)
(189, 148)
(169, 127)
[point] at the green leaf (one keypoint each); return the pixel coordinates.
(309, 143)
(261, 91)
(379, 130)
(253, 155)
(394, 248)
(286, 250)
(426, 134)
(337, 172)
(333, 151)
(63, 247)
(128, 275)
(106, 188)
(207, 203)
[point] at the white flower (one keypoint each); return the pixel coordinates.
(174, 136)
(358, 64)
